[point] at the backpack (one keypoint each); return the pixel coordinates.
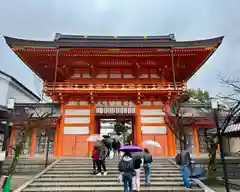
(178, 159)
(125, 166)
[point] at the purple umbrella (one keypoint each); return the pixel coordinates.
(130, 148)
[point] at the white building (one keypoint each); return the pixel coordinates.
(13, 89)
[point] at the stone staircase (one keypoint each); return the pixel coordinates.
(76, 175)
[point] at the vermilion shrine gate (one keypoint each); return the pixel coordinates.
(94, 76)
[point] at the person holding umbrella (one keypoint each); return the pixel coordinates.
(136, 179)
(126, 169)
(126, 166)
(107, 140)
(102, 154)
(147, 160)
(95, 155)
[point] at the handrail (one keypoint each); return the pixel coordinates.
(138, 87)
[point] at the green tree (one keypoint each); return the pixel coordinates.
(199, 96)
(121, 128)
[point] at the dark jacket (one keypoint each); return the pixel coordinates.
(114, 145)
(185, 158)
(137, 163)
(102, 153)
(126, 166)
(147, 159)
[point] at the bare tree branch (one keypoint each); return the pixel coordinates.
(173, 131)
(231, 83)
(177, 123)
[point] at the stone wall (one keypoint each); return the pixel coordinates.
(233, 166)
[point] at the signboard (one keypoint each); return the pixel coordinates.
(115, 110)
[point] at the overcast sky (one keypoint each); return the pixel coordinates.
(188, 19)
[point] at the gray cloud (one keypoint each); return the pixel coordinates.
(188, 19)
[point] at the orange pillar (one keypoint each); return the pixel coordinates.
(170, 142)
(55, 143)
(138, 131)
(196, 141)
(92, 129)
(11, 142)
(33, 142)
(61, 132)
(174, 149)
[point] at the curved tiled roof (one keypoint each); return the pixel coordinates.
(112, 42)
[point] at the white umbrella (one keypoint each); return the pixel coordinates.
(151, 143)
(94, 137)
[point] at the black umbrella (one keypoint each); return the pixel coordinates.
(139, 154)
(107, 141)
(106, 136)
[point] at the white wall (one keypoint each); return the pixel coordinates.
(20, 95)
(9, 89)
(234, 144)
(4, 83)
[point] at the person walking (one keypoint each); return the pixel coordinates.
(95, 156)
(126, 169)
(118, 146)
(101, 160)
(147, 161)
(136, 179)
(183, 159)
(114, 147)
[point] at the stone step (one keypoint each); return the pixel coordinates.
(99, 183)
(109, 172)
(109, 168)
(107, 163)
(114, 159)
(115, 175)
(77, 179)
(104, 189)
(76, 175)
(110, 165)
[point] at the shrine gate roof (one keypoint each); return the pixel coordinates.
(76, 41)
(95, 54)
